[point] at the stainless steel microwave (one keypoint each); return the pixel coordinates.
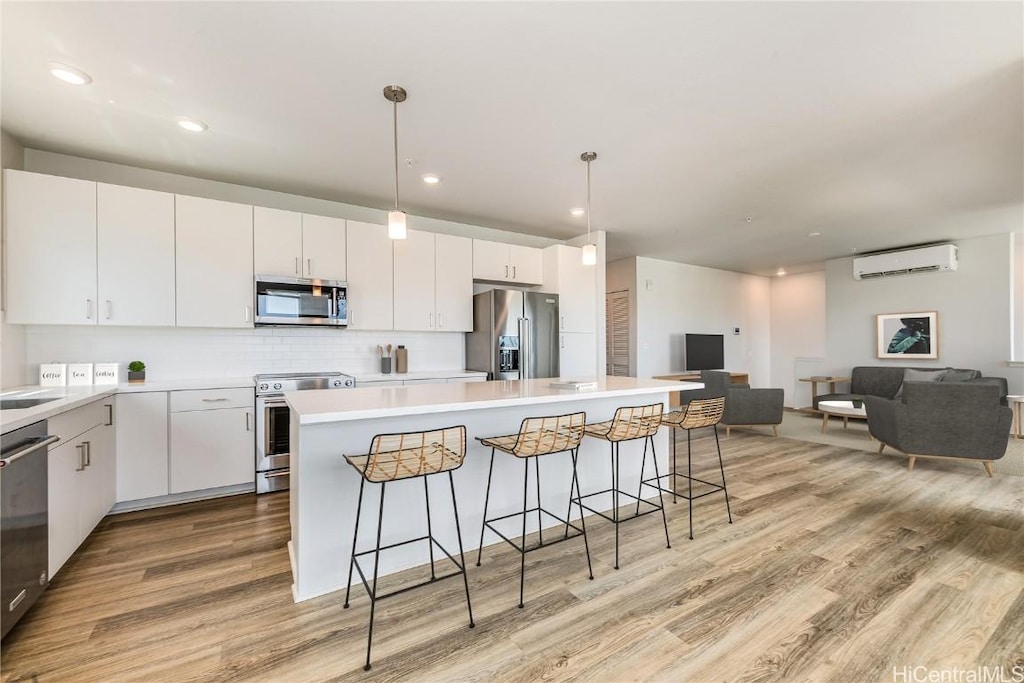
(300, 301)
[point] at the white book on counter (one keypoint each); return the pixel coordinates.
(575, 384)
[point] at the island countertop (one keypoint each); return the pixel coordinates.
(321, 406)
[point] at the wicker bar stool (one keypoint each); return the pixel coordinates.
(538, 436)
(394, 457)
(629, 424)
(697, 415)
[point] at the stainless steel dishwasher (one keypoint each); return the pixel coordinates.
(23, 520)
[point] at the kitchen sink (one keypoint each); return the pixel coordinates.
(19, 403)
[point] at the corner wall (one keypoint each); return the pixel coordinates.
(974, 304)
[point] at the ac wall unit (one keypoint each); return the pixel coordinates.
(939, 257)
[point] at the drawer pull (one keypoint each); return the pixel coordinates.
(214, 400)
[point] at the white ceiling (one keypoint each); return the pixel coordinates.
(877, 124)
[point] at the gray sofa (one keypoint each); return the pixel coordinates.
(884, 382)
(963, 420)
(743, 406)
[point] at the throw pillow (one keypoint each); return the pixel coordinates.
(909, 374)
(954, 375)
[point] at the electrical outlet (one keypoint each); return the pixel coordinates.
(735, 330)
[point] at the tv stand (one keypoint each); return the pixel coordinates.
(734, 377)
(674, 402)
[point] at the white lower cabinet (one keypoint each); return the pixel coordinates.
(80, 477)
(142, 446)
(211, 446)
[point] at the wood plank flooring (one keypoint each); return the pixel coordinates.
(840, 566)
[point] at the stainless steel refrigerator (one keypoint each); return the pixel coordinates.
(515, 335)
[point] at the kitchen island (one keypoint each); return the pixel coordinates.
(325, 425)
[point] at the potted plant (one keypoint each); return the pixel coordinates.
(136, 371)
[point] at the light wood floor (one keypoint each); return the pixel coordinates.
(840, 566)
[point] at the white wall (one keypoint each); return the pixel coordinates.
(797, 332)
(675, 298)
(171, 353)
(1017, 294)
(12, 337)
(973, 303)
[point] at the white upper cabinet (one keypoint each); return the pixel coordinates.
(298, 244)
(575, 285)
(453, 283)
(370, 277)
(134, 256)
(500, 262)
(51, 249)
(323, 247)
(213, 263)
(433, 282)
(277, 242)
(414, 282)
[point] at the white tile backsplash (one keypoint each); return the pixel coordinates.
(173, 352)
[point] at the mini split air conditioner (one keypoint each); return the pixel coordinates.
(940, 257)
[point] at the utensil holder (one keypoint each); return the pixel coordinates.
(385, 366)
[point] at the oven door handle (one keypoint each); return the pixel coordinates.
(35, 446)
(273, 475)
(274, 402)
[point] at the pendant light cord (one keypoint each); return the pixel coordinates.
(394, 106)
(588, 202)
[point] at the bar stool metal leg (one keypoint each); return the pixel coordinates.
(689, 480)
(522, 561)
(430, 531)
(615, 495)
(355, 536)
(640, 486)
(721, 468)
(462, 555)
(661, 499)
(487, 498)
(540, 523)
(376, 570)
(675, 494)
(579, 502)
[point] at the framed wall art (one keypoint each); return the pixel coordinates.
(908, 335)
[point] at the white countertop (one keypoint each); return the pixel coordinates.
(73, 397)
(432, 374)
(320, 406)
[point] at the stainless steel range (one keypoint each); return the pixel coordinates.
(272, 421)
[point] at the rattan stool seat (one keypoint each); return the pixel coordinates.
(541, 436)
(401, 456)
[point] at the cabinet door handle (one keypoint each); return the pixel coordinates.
(297, 266)
(81, 457)
(563, 322)
(110, 414)
(248, 314)
(563, 341)
(110, 310)
(431, 323)
(88, 452)
(309, 267)
(506, 272)
(440, 321)
(88, 309)
(214, 400)
(247, 427)
(513, 272)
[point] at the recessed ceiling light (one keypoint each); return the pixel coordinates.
(192, 125)
(70, 74)
(577, 212)
(814, 234)
(431, 178)
(780, 272)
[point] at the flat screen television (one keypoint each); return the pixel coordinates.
(704, 352)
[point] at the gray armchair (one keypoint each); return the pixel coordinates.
(743, 406)
(960, 420)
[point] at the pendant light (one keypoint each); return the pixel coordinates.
(396, 217)
(589, 249)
